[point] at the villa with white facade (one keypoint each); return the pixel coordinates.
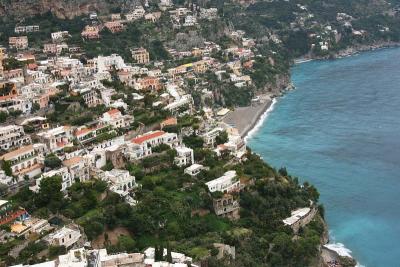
(227, 183)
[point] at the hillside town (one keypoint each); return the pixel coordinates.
(106, 156)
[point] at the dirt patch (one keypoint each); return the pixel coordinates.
(200, 212)
(112, 237)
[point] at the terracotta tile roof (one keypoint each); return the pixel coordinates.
(82, 131)
(140, 139)
(72, 161)
(169, 121)
(113, 112)
(222, 147)
(14, 153)
(32, 66)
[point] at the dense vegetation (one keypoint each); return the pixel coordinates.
(176, 210)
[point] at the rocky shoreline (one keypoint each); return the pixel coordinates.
(363, 48)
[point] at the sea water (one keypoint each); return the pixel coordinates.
(340, 130)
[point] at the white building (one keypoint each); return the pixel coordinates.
(165, 3)
(194, 169)
(190, 21)
(13, 136)
(229, 182)
(121, 181)
(25, 160)
(61, 172)
(59, 36)
(6, 180)
(77, 168)
(178, 259)
(104, 64)
(299, 218)
(115, 118)
(63, 237)
(155, 138)
(58, 138)
(82, 257)
(235, 145)
(135, 151)
(210, 136)
(208, 13)
(184, 156)
(136, 14)
(185, 100)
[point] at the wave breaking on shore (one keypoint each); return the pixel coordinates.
(260, 121)
(341, 250)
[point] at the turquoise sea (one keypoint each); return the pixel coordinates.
(340, 130)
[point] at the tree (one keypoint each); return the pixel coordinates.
(126, 243)
(6, 166)
(35, 107)
(52, 161)
(193, 141)
(109, 166)
(3, 116)
(93, 229)
(222, 138)
(55, 251)
(50, 194)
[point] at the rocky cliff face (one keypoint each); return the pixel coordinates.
(61, 8)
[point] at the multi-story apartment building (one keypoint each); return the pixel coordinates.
(120, 180)
(64, 237)
(13, 136)
(141, 55)
(25, 160)
(28, 28)
(91, 32)
(58, 138)
(155, 138)
(227, 183)
(78, 168)
(114, 26)
(59, 36)
(226, 206)
(210, 136)
(115, 118)
(184, 156)
(147, 83)
(136, 14)
(20, 42)
(140, 146)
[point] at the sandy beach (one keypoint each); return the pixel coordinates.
(245, 118)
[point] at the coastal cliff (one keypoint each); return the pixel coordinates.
(62, 8)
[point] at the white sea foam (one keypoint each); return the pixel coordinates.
(341, 250)
(260, 121)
